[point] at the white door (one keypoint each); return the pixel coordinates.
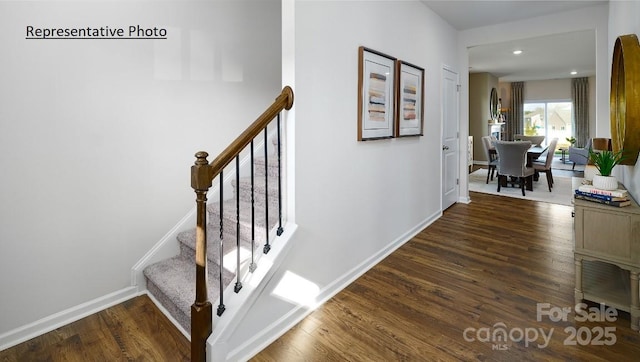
(450, 142)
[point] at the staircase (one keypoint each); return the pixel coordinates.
(172, 281)
(230, 233)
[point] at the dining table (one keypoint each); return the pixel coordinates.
(532, 154)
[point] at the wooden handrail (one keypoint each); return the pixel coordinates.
(283, 102)
(202, 175)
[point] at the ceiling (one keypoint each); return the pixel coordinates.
(548, 57)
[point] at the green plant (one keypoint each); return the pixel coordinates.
(571, 140)
(605, 160)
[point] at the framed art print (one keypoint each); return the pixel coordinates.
(376, 96)
(410, 100)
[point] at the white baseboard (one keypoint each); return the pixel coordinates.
(279, 327)
(57, 320)
(464, 200)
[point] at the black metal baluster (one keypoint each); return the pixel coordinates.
(280, 229)
(252, 266)
(221, 306)
(238, 285)
(267, 247)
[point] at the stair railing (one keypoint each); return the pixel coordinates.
(202, 175)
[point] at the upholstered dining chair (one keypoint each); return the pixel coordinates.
(545, 166)
(492, 156)
(512, 162)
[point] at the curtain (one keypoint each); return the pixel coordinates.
(515, 122)
(580, 99)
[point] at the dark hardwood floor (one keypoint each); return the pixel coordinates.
(135, 330)
(481, 264)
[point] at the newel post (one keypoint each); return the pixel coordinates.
(201, 311)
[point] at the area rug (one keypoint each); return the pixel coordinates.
(557, 164)
(561, 192)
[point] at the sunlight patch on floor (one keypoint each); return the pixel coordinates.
(297, 290)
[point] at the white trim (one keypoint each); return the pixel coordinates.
(238, 304)
(268, 335)
(57, 320)
(165, 248)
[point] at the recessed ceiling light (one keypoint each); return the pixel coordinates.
(573, 72)
(517, 52)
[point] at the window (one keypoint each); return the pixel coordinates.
(549, 119)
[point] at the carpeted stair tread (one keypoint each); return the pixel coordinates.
(187, 241)
(272, 169)
(259, 190)
(175, 279)
(172, 281)
(229, 208)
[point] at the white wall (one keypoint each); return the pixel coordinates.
(97, 136)
(354, 199)
(595, 17)
(623, 19)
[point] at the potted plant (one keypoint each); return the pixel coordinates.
(605, 161)
(571, 140)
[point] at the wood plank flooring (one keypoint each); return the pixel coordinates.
(135, 330)
(481, 264)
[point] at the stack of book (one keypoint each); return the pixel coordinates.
(617, 198)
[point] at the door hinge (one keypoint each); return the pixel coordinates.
(458, 86)
(457, 181)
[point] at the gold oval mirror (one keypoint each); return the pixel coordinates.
(625, 98)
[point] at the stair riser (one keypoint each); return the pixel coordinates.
(259, 171)
(161, 283)
(230, 214)
(212, 261)
(230, 226)
(213, 248)
(183, 318)
(245, 194)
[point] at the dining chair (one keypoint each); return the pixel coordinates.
(545, 166)
(492, 156)
(535, 140)
(512, 162)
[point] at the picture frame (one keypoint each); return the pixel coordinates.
(376, 95)
(410, 100)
